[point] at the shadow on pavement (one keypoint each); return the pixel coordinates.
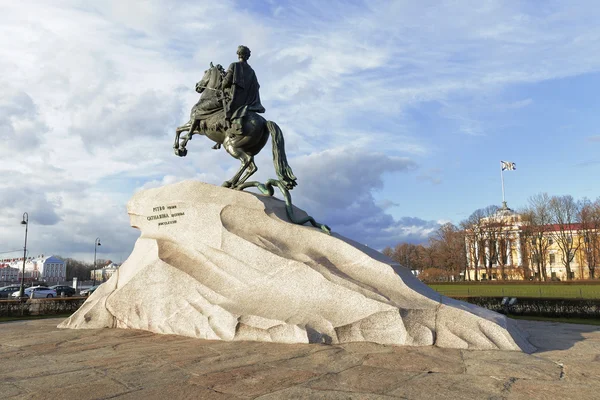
(549, 336)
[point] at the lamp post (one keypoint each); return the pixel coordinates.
(96, 244)
(25, 222)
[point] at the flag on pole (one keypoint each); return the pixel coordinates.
(508, 166)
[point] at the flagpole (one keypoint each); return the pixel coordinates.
(502, 179)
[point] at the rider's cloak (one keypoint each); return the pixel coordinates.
(245, 90)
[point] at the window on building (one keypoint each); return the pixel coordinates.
(550, 241)
(552, 259)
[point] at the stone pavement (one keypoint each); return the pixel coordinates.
(39, 361)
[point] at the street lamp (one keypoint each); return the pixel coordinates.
(96, 244)
(25, 222)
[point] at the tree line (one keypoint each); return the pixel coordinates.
(486, 239)
(442, 258)
(80, 269)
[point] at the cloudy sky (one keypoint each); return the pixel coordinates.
(396, 114)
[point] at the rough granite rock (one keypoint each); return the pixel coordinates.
(215, 263)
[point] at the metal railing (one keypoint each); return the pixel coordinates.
(57, 305)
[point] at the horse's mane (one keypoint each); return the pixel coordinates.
(216, 76)
(214, 82)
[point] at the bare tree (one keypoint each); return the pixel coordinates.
(449, 243)
(476, 239)
(490, 233)
(589, 216)
(497, 226)
(428, 256)
(525, 270)
(408, 255)
(76, 268)
(565, 213)
(472, 228)
(537, 218)
(388, 251)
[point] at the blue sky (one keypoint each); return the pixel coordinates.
(551, 134)
(408, 106)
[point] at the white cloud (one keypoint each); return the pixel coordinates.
(432, 176)
(92, 93)
(20, 123)
(337, 186)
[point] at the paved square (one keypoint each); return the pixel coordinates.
(40, 361)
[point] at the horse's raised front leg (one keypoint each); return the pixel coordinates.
(185, 127)
(176, 148)
(190, 127)
(182, 128)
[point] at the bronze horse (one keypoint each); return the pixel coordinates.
(242, 141)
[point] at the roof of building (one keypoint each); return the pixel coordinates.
(33, 261)
(51, 259)
(109, 266)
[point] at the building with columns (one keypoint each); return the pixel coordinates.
(504, 247)
(492, 243)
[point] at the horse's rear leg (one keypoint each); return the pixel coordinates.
(237, 152)
(251, 170)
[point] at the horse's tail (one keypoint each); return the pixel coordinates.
(282, 168)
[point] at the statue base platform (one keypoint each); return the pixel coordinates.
(215, 263)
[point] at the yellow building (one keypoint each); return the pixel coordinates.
(505, 246)
(103, 274)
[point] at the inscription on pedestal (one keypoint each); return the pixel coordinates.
(165, 215)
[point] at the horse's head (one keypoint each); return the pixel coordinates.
(212, 78)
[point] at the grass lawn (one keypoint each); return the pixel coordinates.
(583, 321)
(520, 290)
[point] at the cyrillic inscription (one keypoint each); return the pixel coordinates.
(160, 214)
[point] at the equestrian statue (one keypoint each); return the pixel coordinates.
(228, 113)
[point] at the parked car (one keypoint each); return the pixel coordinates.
(38, 292)
(67, 290)
(6, 291)
(88, 291)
